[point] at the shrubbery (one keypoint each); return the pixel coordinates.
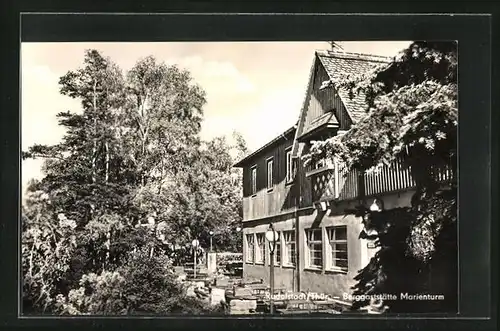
(143, 286)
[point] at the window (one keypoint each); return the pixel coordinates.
(289, 251)
(323, 162)
(289, 166)
(260, 252)
(270, 180)
(277, 252)
(253, 178)
(250, 256)
(337, 237)
(320, 163)
(315, 248)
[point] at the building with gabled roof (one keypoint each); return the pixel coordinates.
(319, 249)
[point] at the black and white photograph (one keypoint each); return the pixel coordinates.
(239, 178)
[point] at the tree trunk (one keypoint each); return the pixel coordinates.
(143, 130)
(106, 145)
(94, 149)
(143, 153)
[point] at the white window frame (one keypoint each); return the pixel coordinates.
(278, 251)
(260, 248)
(332, 260)
(308, 243)
(250, 248)
(253, 180)
(289, 165)
(270, 173)
(288, 240)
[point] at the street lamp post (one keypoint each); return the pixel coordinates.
(211, 236)
(377, 205)
(195, 244)
(272, 237)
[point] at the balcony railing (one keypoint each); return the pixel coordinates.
(334, 180)
(322, 184)
(324, 175)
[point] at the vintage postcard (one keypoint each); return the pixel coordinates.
(239, 178)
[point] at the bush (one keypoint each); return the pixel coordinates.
(143, 286)
(97, 295)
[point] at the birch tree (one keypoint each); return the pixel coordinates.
(133, 153)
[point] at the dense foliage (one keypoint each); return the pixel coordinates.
(144, 285)
(412, 116)
(125, 192)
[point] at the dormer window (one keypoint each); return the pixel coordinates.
(320, 128)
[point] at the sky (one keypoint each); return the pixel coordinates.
(255, 88)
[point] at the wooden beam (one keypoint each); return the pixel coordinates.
(303, 111)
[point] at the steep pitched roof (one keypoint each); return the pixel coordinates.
(338, 64)
(301, 121)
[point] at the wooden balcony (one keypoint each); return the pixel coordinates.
(322, 184)
(333, 181)
(324, 176)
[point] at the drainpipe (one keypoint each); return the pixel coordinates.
(297, 191)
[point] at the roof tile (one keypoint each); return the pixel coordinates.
(337, 64)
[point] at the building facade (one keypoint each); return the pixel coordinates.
(319, 248)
